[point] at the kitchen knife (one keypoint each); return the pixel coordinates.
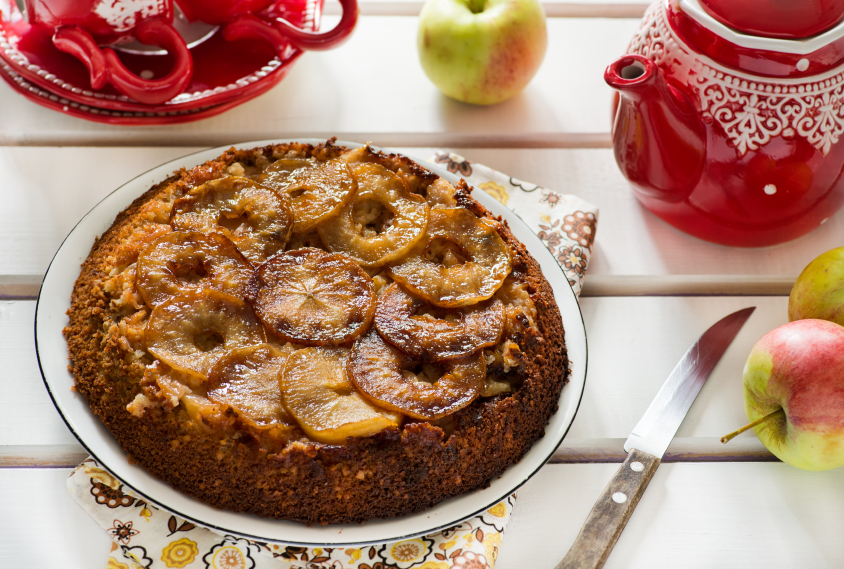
(648, 442)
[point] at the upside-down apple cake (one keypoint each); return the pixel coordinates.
(316, 333)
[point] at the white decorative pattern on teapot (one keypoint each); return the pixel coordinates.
(751, 109)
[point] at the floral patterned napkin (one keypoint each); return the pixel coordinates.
(565, 223)
(145, 536)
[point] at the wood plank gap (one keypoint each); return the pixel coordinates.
(681, 449)
(19, 287)
(552, 9)
(687, 285)
(46, 456)
(26, 287)
(578, 451)
(143, 137)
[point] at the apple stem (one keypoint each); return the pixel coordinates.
(727, 438)
(476, 6)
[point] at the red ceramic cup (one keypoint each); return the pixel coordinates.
(81, 26)
(260, 19)
(220, 11)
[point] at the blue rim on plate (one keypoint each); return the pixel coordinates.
(51, 350)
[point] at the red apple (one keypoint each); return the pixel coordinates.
(819, 290)
(481, 51)
(799, 368)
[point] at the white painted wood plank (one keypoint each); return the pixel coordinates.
(42, 527)
(27, 414)
(46, 190)
(692, 516)
(373, 87)
(634, 343)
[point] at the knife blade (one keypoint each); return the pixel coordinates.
(648, 443)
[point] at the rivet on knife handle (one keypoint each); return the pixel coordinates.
(611, 512)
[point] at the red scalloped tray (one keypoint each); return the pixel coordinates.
(225, 73)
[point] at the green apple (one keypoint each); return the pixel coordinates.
(481, 51)
(794, 376)
(819, 290)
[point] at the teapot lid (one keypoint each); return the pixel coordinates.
(785, 19)
(699, 12)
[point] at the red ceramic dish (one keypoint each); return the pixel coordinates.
(109, 116)
(224, 71)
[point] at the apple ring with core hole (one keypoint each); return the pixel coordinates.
(312, 297)
(179, 262)
(317, 391)
(459, 333)
(247, 379)
(389, 378)
(192, 331)
(305, 240)
(256, 219)
(381, 223)
(317, 190)
(463, 260)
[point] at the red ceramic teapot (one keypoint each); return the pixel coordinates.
(727, 134)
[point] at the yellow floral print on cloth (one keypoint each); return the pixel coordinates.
(146, 537)
(179, 553)
(564, 223)
(114, 564)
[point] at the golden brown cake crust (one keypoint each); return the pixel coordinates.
(396, 472)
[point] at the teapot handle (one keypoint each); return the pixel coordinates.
(281, 33)
(104, 66)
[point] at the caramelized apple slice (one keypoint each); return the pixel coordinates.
(164, 385)
(255, 218)
(317, 190)
(462, 260)
(385, 375)
(247, 379)
(519, 308)
(430, 338)
(192, 331)
(189, 261)
(312, 297)
(317, 392)
(440, 192)
(304, 240)
(207, 414)
(381, 223)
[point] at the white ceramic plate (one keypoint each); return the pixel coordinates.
(50, 317)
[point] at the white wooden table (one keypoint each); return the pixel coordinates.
(650, 292)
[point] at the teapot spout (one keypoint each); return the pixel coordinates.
(659, 138)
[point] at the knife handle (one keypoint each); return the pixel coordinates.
(611, 512)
